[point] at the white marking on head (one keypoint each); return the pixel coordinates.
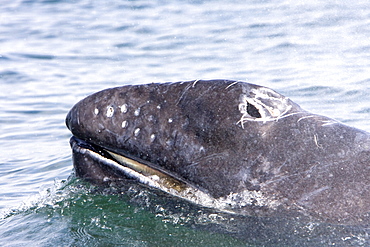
(195, 82)
(270, 105)
(136, 131)
(305, 117)
(137, 112)
(96, 111)
(316, 140)
(329, 122)
(152, 137)
(124, 124)
(110, 111)
(124, 108)
(232, 84)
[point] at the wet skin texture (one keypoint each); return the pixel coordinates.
(227, 137)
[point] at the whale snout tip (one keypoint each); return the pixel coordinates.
(68, 120)
(71, 119)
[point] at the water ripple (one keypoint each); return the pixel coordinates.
(54, 53)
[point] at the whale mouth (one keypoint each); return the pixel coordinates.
(102, 166)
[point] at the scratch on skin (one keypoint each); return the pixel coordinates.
(267, 112)
(315, 138)
(232, 84)
(329, 122)
(314, 193)
(195, 82)
(186, 89)
(280, 177)
(304, 118)
(325, 123)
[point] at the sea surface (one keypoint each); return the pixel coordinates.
(54, 53)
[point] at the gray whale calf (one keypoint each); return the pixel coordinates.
(230, 145)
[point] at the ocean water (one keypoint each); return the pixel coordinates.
(54, 53)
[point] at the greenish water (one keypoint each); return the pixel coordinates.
(73, 216)
(54, 53)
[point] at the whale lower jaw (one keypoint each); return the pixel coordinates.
(106, 168)
(103, 167)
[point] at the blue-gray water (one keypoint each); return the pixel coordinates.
(54, 53)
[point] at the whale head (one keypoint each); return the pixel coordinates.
(242, 147)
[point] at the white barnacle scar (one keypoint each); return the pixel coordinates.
(270, 105)
(110, 111)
